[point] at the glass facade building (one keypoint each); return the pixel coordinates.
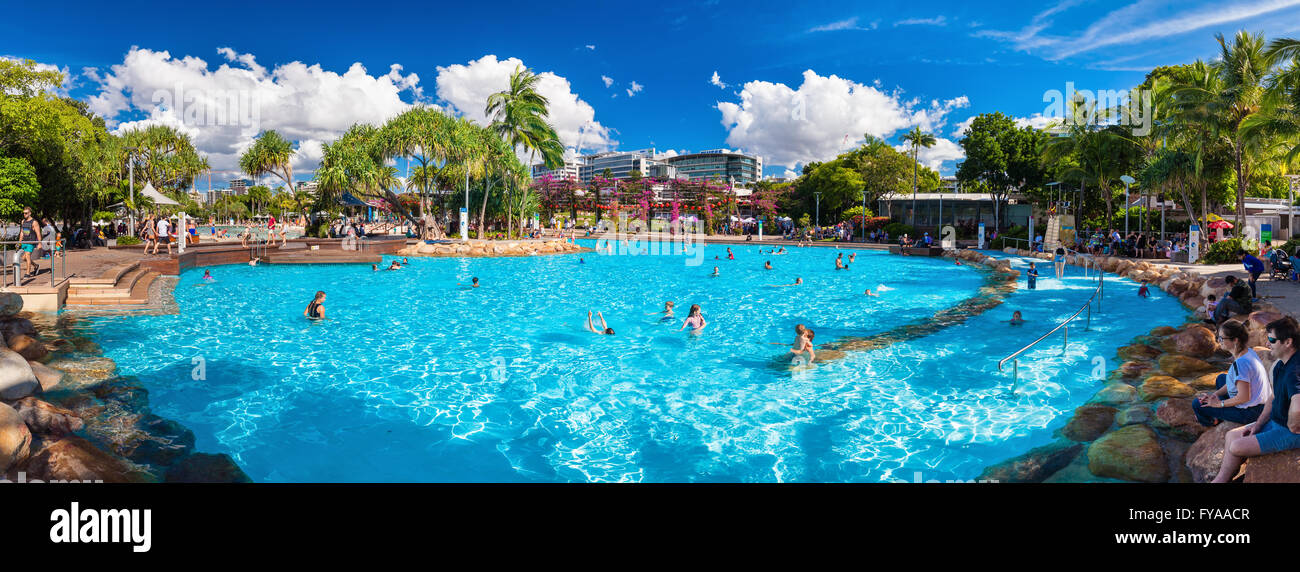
(719, 164)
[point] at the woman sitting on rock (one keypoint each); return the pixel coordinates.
(1239, 395)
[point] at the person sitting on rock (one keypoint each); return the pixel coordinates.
(1278, 426)
(1236, 302)
(1238, 395)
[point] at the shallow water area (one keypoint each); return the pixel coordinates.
(415, 377)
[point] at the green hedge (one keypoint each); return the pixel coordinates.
(1222, 252)
(897, 229)
(127, 240)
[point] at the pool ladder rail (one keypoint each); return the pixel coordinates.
(1064, 326)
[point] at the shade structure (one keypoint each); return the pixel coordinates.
(1220, 224)
(157, 197)
(347, 200)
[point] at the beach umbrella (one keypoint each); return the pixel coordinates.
(1220, 224)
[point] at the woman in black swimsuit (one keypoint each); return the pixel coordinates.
(316, 309)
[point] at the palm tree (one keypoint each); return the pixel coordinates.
(270, 154)
(918, 139)
(519, 117)
(425, 135)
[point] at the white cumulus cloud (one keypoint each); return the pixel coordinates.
(608, 80)
(821, 118)
(635, 89)
(304, 103)
(716, 80)
(466, 87)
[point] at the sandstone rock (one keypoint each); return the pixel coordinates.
(1115, 394)
(205, 468)
(1089, 422)
(84, 371)
(1131, 369)
(1138, 352)
(1257, 326)
(1182, 366)
(30, 348)
(1196, 340)
(15, 439)
(1131, 453)
(10, 303)
(1133, 415)
(1158, 386)
(1214, 285)
(12, 326)
(1206, 455)
(75, 459)
(1034, 466)
(1192, 301)
(1280, 467)
(16, 378)
(1176, 287)
(1163, 331)
(48, 377)
(1205, 382)
(1176, 418)
(46, 419)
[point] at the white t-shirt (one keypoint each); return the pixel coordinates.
(162, 228)
(1250, 368)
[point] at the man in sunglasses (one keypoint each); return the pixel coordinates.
(1278, 426)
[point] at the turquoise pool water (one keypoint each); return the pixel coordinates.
(413, 378)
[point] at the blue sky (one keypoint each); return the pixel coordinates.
(795, 82)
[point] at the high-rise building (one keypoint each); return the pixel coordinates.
(719, 164)
(240, 186)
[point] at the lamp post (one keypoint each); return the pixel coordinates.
(1290, 207)
(818, 221)
(1127, 181)
(130, 165)
(864, 215)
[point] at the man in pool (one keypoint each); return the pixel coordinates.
(604, 328)
(316, 309)
(767, 265)
(797, 281)
(396, 265)
(715, 273)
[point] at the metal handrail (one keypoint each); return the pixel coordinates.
(1096, 295)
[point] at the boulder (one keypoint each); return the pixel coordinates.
(48, 377)
(1215, 285)
(1205, 382)
(1034, 466)
(1158, 386)
(75, 459)
(1176, 287)
(1138, 352)
(46, 419)
(1163, 331)
(1176, 418)
(15, 439)
(16, 378)
(205, 468)
(1196, 340)
(30, 348)
(1131, 453)
(1182, 366)
(1280, 467)
(1133, 415)
(1131, 369)
(10, 303)
(1115, 394)
(1089, 422)
(1206, 455)
(1257, 326)
(12, 326)
(1192, 301)
(84, 371)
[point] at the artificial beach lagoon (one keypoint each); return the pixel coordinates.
(415, 377)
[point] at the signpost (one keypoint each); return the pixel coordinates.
(981, 236)
(1194, 243)
(464, 223)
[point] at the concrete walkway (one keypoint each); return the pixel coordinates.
(1281, 293)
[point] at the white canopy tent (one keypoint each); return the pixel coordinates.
(157, 197)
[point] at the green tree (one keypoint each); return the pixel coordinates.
(1001, 156)
(918, 139)
(18, 187)
(270, 154)
(519, 116)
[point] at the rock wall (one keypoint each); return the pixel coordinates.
(66, 416)
(487, 248)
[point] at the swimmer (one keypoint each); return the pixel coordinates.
(767, 265)
(254, 261)
(316, 309)
(797, 281)
(473, 283)
(1143, 291)
(839, 262)
(694, 319)
(1016, 319)
(374, 268)
(715, 273)
(782, 251)
(581, 261)
(802, 344)
(405, 262)
(852, 257)
(957, 261)
(668, 311)
(604, 328)
(207, 276)
(870, 293)
(730, 255)
(394, 266)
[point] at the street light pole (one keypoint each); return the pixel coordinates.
(864, 215)
(1127, 181)
(818, 221)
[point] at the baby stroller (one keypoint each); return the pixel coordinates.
(1280, 263)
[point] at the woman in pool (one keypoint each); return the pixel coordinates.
(1059, 261)
(604, 328)
(668, 312)
(715, 273)
(1016, 319)
(316, 309)
(730, 255)
(852, 256)
(207, 276)
(694, 319)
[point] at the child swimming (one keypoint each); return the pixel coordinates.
(667, 312)
(694, 319)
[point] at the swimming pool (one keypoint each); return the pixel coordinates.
(413, 378)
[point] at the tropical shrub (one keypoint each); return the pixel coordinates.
(127, 240)
(1222, 252)
(897, 229)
